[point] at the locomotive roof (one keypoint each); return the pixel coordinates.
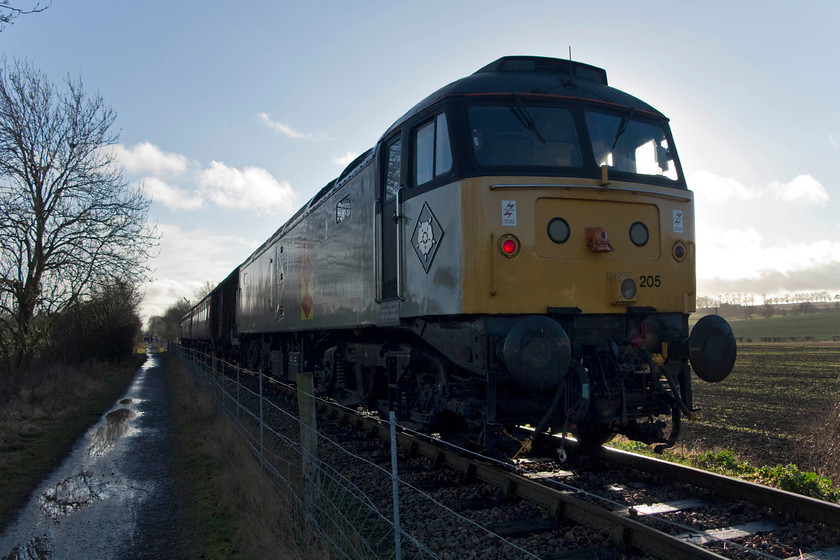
(524, 75)
(534, 75)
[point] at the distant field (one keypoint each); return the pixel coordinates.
(771, 407)
(797, 328)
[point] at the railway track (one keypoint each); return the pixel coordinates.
(673, 528)
(618, 505)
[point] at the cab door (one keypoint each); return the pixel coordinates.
(390, 186)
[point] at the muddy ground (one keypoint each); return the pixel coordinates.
(112, 497)
(774, 408)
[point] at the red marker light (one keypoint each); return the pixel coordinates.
(509, 245)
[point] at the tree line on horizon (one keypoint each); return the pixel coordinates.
(747, 299)
(768, 310)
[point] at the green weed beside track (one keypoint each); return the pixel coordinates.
(775, 419)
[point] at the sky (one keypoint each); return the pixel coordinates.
(232, 115)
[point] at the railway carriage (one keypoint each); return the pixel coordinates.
(517, 249)
(195, 325)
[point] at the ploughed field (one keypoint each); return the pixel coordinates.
(776, 407)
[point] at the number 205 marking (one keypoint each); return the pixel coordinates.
(650, 281)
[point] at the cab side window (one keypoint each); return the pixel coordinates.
(392, 172)
(432, 154)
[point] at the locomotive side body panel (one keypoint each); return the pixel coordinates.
(317, 273)
(340, 252)
(432, 253)
(256, 309)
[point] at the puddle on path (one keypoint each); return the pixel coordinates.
(71, 494)
(36, 549)
(106, 435)
(94, 490)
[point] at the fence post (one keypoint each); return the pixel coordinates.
(395, 488)
(309, 443)
(238, 402)
(194, 364)
(262, 424)
(211, 367)
(223, 379)
(214, 367)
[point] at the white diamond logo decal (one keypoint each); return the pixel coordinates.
(426, 237)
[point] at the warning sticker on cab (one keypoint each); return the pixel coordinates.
(508, 212)
(678, 221)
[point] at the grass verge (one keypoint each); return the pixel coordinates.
(42, 416)
(786, 477)
(775, 420)
(228, 507)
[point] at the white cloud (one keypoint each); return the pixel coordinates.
(773, 283)
(744, 261)
(346, 158)
(188, 258)
(146, 158)
(833, 141)
(728, 252)
(803, 189)
(288, 131)
(252, 188)
(720, 189)
(756, 241)
(172, 197)
(712, 188)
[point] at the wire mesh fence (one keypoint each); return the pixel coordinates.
(363, 502)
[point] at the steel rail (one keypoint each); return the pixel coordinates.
(622, 530)
(793, 505)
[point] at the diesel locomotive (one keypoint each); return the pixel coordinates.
(517, 249)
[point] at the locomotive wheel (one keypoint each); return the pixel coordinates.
(251, 355)
(452, 429)
(591, 438)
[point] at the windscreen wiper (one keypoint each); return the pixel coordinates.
(622, 126)
(521, 113)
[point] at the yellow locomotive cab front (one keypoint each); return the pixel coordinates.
(596, 248)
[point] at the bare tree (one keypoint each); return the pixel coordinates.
(168, 325)
(9, 12)
(68, 219)
(103, 326)
(204, 290)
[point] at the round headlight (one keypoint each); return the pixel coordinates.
(679, 251)
(628, 288)
(639, 234)
(558, 230)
